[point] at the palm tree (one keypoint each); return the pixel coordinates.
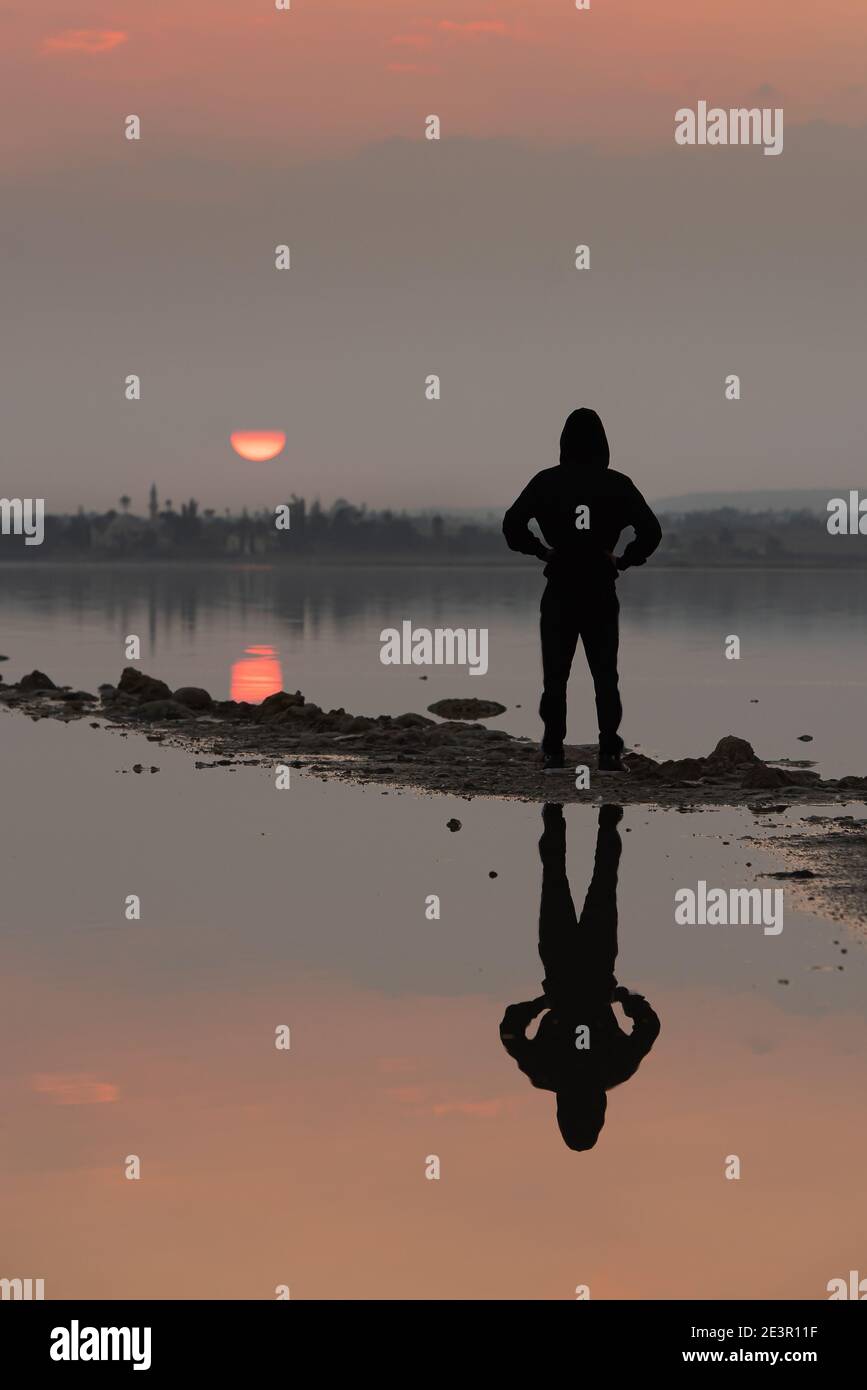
(124, 502)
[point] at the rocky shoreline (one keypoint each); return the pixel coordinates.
(411, 750)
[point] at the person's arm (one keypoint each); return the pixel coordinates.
(514, 1025)
(648, 532)
(516, 530)
(645, 1022)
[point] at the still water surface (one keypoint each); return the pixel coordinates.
(803, 651)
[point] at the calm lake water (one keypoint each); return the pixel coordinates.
(803, 651)
(307, 908)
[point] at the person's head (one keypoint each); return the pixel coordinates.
(580, 1117)
(583, 442)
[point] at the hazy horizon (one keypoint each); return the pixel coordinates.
(336, 351)
(411, 257)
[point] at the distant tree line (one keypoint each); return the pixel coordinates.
(726, 536)
(191, 531)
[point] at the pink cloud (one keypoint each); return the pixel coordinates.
(396, 1064)
(473, 1109)
(405, 1095)
(477, 1109)
(75, 1089)
(410, 41)
(84, 41)
(474, 26)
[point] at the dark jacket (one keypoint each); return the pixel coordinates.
(582, 478)
(551, 1059)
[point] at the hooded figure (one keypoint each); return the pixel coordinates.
(584, 440)
(581, 507)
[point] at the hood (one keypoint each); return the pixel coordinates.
(583, 443)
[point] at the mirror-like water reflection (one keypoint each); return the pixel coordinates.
(803, 666)
(306, 908)
(579, 1051)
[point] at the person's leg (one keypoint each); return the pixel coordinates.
(600, 636)
(558, 922)
(578, 954)
(559, 631)
(597, 924)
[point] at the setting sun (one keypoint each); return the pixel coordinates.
(258, 445)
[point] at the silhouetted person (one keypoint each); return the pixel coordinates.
(578, 956)
(580, 599)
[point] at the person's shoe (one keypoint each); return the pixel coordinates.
(611, 762)
(553, 762)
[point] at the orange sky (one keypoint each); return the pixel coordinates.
(208, 74)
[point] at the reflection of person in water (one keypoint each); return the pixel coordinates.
(578, 956)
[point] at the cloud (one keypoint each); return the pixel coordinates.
(410, 41)
(84, 41)
(474, 26)
(476, 1109)
(392, 1065)
(75, 1089)
(417, 1098)
(405, 1095)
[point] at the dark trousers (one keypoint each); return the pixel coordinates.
(578, 953)
(564, 618)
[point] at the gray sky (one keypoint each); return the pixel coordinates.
(411, 257)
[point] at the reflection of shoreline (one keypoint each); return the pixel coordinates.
(785, 564)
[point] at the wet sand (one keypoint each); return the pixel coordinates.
(826, 864)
